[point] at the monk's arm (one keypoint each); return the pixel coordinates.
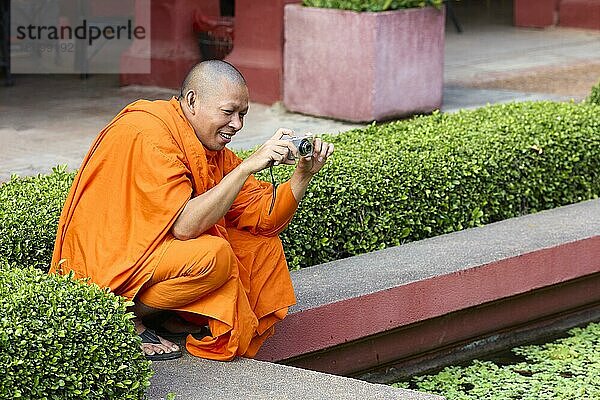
(253, 209)
(203, 211)
(299, 182)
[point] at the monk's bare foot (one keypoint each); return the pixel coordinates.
(151, 349)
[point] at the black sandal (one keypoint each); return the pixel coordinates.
(149, 336)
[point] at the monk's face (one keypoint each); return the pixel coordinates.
(217, 116)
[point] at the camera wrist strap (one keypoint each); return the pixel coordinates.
(274, 189)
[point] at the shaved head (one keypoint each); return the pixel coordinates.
(214, 99)
(206, 78)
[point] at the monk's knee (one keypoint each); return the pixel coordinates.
(221, 260)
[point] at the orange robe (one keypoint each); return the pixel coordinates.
(115, 228)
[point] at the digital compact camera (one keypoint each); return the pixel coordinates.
(304, 144)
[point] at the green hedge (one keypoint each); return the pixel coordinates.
(371, 5)
(565, 369)
(29, 212)
(393, 183)
(409, 180)
(64, 339)
(595, 94)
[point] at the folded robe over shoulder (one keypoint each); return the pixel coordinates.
(136, 178)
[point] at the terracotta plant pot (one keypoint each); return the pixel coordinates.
(363, 66)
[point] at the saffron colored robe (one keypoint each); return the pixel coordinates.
(115, 228)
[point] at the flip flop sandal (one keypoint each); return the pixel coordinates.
(155, 324)
(149, 336)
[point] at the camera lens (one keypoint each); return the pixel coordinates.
(305, 148)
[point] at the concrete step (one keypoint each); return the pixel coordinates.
(191, 378)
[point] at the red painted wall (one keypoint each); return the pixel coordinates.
(431, 298)
(569, 13)
(535, 13)
(107, 8)
(174, 44)
(258, 47)
(580, 14)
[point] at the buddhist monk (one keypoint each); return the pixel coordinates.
(164, 214)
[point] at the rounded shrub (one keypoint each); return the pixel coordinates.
(65, 339)
(29, 212)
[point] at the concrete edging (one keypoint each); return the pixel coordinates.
(400, 287)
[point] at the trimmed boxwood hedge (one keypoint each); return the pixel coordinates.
(29, 212)
(371, 5)
(409, 180)
(64, 339)
(390, 184)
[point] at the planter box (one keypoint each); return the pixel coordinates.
(363, 66)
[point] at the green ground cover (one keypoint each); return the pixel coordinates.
(565, 369)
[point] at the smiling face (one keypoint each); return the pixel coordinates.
(218, 114)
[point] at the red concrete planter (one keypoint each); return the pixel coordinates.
(535, 13)
(363, 66)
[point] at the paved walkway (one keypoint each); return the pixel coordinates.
(50, 120)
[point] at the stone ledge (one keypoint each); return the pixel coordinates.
(370, 294)
(191, 378)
